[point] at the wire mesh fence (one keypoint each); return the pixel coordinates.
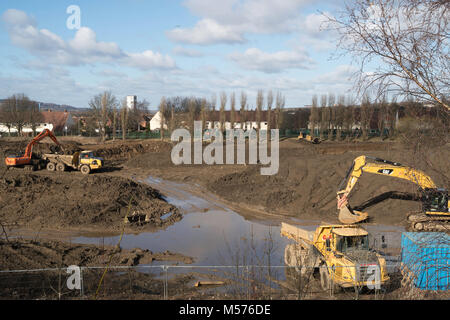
(250, 282)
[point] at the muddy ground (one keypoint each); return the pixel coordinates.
(308, 178)
(69, 200)
(305, 187)
(27, 254)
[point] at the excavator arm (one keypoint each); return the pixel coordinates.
(26, 158)
(380, 167)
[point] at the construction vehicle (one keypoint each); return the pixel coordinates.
(341, 253)
(435, 215)
(84, 161)
(307, 137)
(26, 160)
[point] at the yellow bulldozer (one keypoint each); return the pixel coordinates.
(435, 215)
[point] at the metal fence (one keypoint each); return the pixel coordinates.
(156, 282)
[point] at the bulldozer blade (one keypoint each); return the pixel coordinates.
(348, 216)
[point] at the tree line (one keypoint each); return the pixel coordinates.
(183, 111)
(18, 111)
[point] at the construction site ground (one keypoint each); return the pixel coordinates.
(36, 206)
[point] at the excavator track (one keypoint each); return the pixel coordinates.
(420, 221)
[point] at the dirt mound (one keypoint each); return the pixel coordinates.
(74, 201)
(31, 254)
(129, 150)
(308, 179)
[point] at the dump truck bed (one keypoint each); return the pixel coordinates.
(66, 159)
(296, 233)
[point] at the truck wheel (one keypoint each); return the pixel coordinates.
(85, 169)
(296, 256)
(60, 167)
(325, 281)
(51, 166)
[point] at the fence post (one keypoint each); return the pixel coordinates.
(166, 280)
(248, 283)
(81, 282)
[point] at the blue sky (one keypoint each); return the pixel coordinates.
(167, 48)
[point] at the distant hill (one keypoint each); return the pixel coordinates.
(57, 107)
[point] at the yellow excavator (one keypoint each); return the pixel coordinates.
(435, 215)
(307, 137)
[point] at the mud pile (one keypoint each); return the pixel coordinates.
(32, 254)
(127, 151)
(66, 201)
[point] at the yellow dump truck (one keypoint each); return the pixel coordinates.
(84, 161)
(340, 252)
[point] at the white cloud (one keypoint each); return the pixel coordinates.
(228, 21)
(84, 48)
(85, 43)
(206, 31)
(187, 52)
(341, 74)
(149, 59)
(255, 59)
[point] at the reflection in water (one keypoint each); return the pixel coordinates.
(215, 235)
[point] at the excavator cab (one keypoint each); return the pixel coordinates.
(88, 158)
(435, 200)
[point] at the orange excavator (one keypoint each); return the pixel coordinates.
(26, 160)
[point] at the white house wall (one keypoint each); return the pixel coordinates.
(26, 129)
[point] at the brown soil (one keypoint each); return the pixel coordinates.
(305, 185)
(19, 254)
(308, 178)
(70, 200)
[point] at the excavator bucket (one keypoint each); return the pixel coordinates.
(347, 216)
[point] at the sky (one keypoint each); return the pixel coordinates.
(169, 48)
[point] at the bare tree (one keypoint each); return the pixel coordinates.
(366, 115)
(324, 117)
(192, 114)
(18, 111)
(269, 111)
(243, 110)
(223, 103)
(114, 124)
(348, 121)
(203, 112)
(339, 116)
(233, 109)
(383, 107)
(101, 106)
(314, 116)
(33, 115)
(259, 105)
(124, 119)
(409, 41)
(213, 102)
(280, 102)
